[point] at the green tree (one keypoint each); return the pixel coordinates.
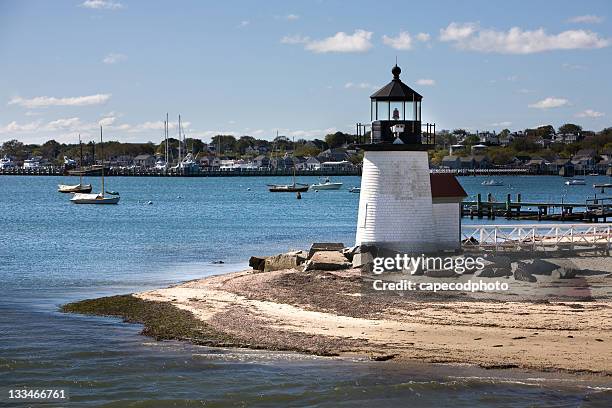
(570, 128)
(338, 139)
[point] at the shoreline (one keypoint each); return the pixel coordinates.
(325, 313)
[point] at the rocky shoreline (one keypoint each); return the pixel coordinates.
(316, 302)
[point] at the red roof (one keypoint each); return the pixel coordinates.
(445, 185)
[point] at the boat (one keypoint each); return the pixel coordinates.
(575, 182)
(75, 188)
(31, 163)
(327, 184)
(492, 182)
(6, 163)
(185, 164)
(96, 198)
(289, 188)
(355, 190)
(593, 174)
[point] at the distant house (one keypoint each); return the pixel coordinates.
(343, 165)
(567, 138)
(312, 163)
(475, 162)
(337, 154)
(262, 161)
(536, 164)
(451, 162)
(144, 160)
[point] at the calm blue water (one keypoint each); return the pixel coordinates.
(52, 252)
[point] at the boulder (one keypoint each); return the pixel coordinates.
(539, 267)
(327, 261)
(325, 246)
(491, 271)
(362, 259)
(258, 263)
(289, 260)
(441, 273)
(522, 273)
(564, 273)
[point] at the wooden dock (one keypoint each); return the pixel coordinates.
(592, 210)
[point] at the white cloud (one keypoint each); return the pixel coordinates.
(292, 17)
(360, 85)
(63, 124)
(423, 37)
(359, 41)
(589, 113)
(102, 5)
(14, 127)
(573, 66)
(114, 58)
(46, 101)
(549, 102)
(426, 82)
(294, 39)
(469, 36)
(244, 23)
(501, 124)
(586, 19)
(402, 42)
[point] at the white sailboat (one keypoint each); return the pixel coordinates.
(99, 198)
(75, 188)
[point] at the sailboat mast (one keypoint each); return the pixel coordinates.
(180, 158)
(81, 162)
(293, 160)
(102, 155)
(166, 136)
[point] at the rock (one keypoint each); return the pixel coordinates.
(490, 271)
(325, 246)
(539, 267)
(289, 260)
(258, 263)
(441, 273)
(522, 273)
(360, 249)
(327, 261)
(564, 273)
(362, 259)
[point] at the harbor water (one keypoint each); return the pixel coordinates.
(167, 230)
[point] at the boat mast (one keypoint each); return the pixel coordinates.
(293, 160)
(102, 155)
(179, 138)
(81, 162)
(166, 136)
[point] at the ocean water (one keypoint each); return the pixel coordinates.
(53, 252)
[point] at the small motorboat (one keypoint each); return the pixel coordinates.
(593, 174)
(95, 198)
(327, 184)
(355, 190)
(575, 182)
(492, 182)
(288, 188)
(76, 188)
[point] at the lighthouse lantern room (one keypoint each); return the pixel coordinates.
(398, 209)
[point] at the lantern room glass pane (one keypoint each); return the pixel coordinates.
(383, 110)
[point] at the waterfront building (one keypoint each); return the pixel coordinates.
(401, 207)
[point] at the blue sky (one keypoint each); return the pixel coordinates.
(306, 67)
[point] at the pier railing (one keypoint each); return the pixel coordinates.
(543, 237)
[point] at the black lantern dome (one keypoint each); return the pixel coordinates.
(396, 104)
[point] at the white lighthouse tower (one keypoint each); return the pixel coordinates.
(396, 210)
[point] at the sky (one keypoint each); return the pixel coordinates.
(304, 68)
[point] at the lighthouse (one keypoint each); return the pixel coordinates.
(401, 206)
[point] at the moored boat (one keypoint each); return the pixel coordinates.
(355, 190)
(492, 182)
(288, 188)
(327, 184)
(575, 182)
(96, 198)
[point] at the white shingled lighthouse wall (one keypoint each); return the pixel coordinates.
(395, 204)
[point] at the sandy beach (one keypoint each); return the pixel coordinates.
(328, 313)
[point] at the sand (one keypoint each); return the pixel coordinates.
(330, 313)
